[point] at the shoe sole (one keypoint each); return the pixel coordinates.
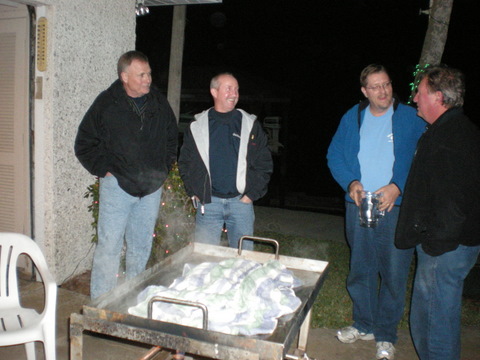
(386, 354)
(366, 337)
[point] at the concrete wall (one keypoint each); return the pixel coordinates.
(85, 39)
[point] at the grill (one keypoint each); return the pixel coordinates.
(108, 315)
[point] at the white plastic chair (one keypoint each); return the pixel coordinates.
(20, 325)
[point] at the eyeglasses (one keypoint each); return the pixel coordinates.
(378, 87)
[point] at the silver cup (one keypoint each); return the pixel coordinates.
(368, 211)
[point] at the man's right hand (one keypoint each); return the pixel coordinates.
(355, 191)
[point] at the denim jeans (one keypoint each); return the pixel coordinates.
(122, 217)
(378, 274)
(237, 216)
(437, 301)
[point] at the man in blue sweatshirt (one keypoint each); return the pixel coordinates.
(372, 150)
(225, 165)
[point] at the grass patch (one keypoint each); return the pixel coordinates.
(333, 307)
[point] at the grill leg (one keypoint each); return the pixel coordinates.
(76, 337)
(303, 333)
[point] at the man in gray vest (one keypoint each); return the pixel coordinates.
(225, 165)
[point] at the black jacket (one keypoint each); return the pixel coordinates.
(441, 203)
(255, 164)
(138, 151)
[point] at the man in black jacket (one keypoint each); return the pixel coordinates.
(225, 165)
(128, 138)
(440, 213)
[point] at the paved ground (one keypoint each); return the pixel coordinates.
(322, 344)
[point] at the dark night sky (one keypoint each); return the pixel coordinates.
(313, 51)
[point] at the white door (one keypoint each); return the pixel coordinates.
(15, 204)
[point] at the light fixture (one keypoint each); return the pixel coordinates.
(140, 8)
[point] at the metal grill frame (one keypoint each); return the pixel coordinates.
(108, 315)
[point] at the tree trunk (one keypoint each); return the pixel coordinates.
(436, 37)
(176, 59)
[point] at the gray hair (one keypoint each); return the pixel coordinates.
(127, 58)
(449, 81)
(215, 83)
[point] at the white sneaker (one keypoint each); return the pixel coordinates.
(350, 334)
(385, 350)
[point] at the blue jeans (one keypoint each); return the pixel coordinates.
(237, 216)
(122, 216)
(437, 301)
(378, 274)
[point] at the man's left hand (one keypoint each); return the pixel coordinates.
(390, 194)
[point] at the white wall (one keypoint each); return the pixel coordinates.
(85, 40)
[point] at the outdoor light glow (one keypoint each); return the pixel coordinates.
(140, 8)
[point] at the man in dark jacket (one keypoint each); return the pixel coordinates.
(440, 213)
(128, 138)
(225, 165)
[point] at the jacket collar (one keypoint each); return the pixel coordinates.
(118, 91)
(446, 116)
(364, 104)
